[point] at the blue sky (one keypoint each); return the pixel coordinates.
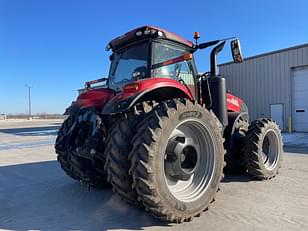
(58, 45)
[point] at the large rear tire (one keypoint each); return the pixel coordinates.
(177, 160)
(235, 163)
(118, 146)
(263, 149)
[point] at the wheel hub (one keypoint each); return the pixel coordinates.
(181, 158)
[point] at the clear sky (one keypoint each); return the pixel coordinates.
(57, 45)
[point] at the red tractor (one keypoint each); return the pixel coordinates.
(160, 132)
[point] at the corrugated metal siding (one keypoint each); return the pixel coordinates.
(265, 80)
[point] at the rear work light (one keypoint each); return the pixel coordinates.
(149, 31)
(160, 33)
(139, 33)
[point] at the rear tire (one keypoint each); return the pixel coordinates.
(117, 163)
(174, 179)
(118, 146)
(263, 149)
(235, 163)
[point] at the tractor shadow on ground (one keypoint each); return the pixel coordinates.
(237, 178)
(38, 196)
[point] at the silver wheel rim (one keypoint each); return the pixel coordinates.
(199, 150)
(270, 149)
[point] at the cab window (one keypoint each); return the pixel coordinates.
(180, 71)
(163, 52)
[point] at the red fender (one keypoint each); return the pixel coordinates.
(146, 89)
(94, 98)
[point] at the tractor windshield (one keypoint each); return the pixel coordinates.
(128, 65)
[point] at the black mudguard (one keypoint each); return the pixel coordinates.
(119, 105)
(72, 109)
(230, 134)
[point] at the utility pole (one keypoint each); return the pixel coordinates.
(29, 100)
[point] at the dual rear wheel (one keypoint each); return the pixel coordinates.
(173, 163)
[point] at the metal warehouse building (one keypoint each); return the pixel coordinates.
(273, 84)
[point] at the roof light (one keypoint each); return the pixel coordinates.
(160, 33)
(147, 31)
(139, 33)
(153, 31)
(108, 47)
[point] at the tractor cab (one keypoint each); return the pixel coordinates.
(150, 52)
(149, 63)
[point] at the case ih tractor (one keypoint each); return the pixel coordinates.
(161, 133)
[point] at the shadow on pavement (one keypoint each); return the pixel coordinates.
(237, 178)
(57, 123)
(299, 149)
(33, 131)
(38, 196)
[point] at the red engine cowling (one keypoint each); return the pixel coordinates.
(235, 104)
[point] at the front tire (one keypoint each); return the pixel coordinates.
(177, 160)
(263, 149)
(79, 140)
(64, 157)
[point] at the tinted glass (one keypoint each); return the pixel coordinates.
(164, 52)
(179, 71)
(126, 63)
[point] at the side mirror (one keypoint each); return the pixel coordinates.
(236, 51)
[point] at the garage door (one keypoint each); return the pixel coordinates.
(300, 99)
